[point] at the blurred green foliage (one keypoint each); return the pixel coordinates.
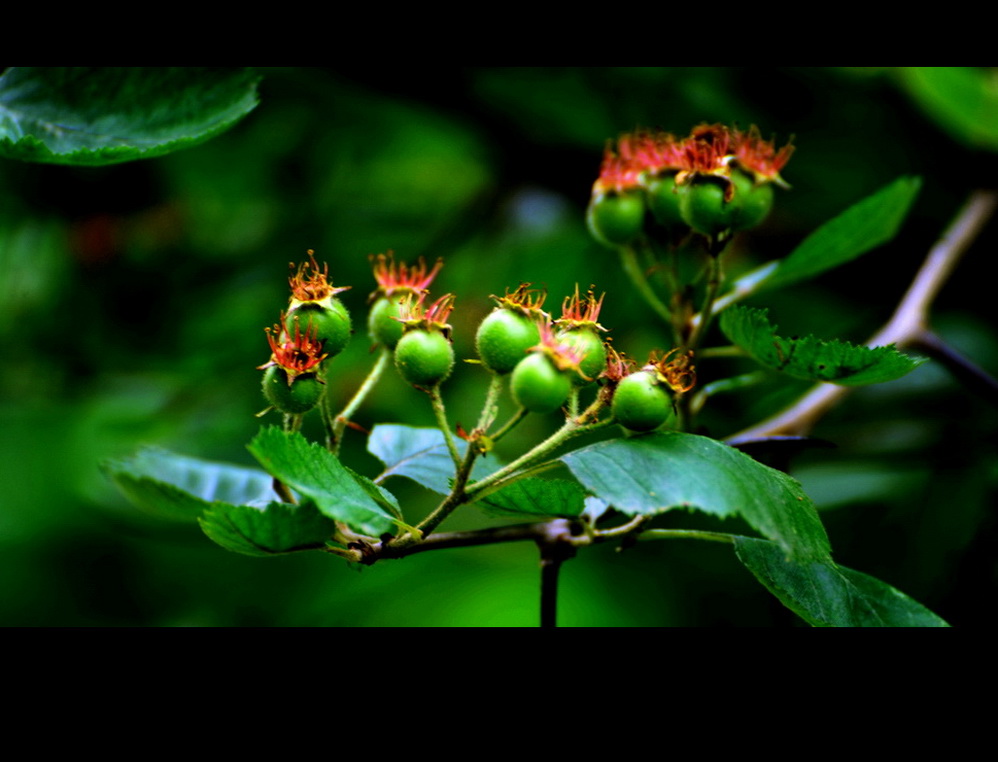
(133, 300)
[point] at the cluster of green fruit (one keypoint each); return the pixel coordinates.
(545, 359)
(715, 181)
(315, 328)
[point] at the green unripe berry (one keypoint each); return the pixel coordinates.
(303, 394)
(424, 358)
(503, 340)
(538, 385)
(616, 218)
(587, 342)
(330, 322)
(754, 201)
(640, 403)
(703, 207)
(381, 323)
(663, 200)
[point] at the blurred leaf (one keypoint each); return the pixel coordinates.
(180, 487)
(277, 528)
(860, 228)
(537, 497)
(811, 359)
(420, 454)
(963, 100)
(317, 474)
(105, 115)
(654, 473)
(827, 595)
(33, 266)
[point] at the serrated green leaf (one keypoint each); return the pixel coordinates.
(104, 115)
(861, 228)
(812, 359)
(537, 497)
(963, 100)
(179, 487)
(317, 474)
(276, 528)
(654, 473)
(421, 454)
(827, 595)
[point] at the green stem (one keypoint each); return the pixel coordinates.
(340, 421)
(686, 534)
(571, 428)
(490, 408)
(441, 415)
(518, 416)
(713, 284)
(731, 350)
(634, 271)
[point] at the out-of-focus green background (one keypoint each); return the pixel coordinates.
(133, 300)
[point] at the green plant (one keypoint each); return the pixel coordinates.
(611, 487)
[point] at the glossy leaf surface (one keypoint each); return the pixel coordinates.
(654, 473)
(421, 454)
(276, 528)
(827, 595)
(537, 497)
(812, 359)
(105, 115)
(861, 228)
(317, 474)
(180, 487)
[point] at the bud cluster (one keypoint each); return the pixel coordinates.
(715, 181)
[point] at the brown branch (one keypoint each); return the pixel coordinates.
(908, 325)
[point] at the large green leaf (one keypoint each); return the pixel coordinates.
(963, 100)
(860, 228)
(421, 454)
(828, 595)
(811, 359)
(317, 474)
(537, 497)
(276, 528)
(180, 487)
(105, 115)
(654, 473)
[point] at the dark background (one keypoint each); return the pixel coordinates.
(133, 300)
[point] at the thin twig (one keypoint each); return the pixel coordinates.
(908, 325)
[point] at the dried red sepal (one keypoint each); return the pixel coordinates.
(525, 301)
(760, 157)
(309, 283)
(413, 313)
(677, 372)
(298, 354)
(399, 278)
(578, 312)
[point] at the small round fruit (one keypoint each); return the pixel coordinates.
(754, 201)
(663, 201)
(381, 323)
(331, 324)
(589, 345)
(303, 394)
(616, 218)
(503, 340)
(538, 385)
(424, 358)
(641, 404)
(704, 208)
